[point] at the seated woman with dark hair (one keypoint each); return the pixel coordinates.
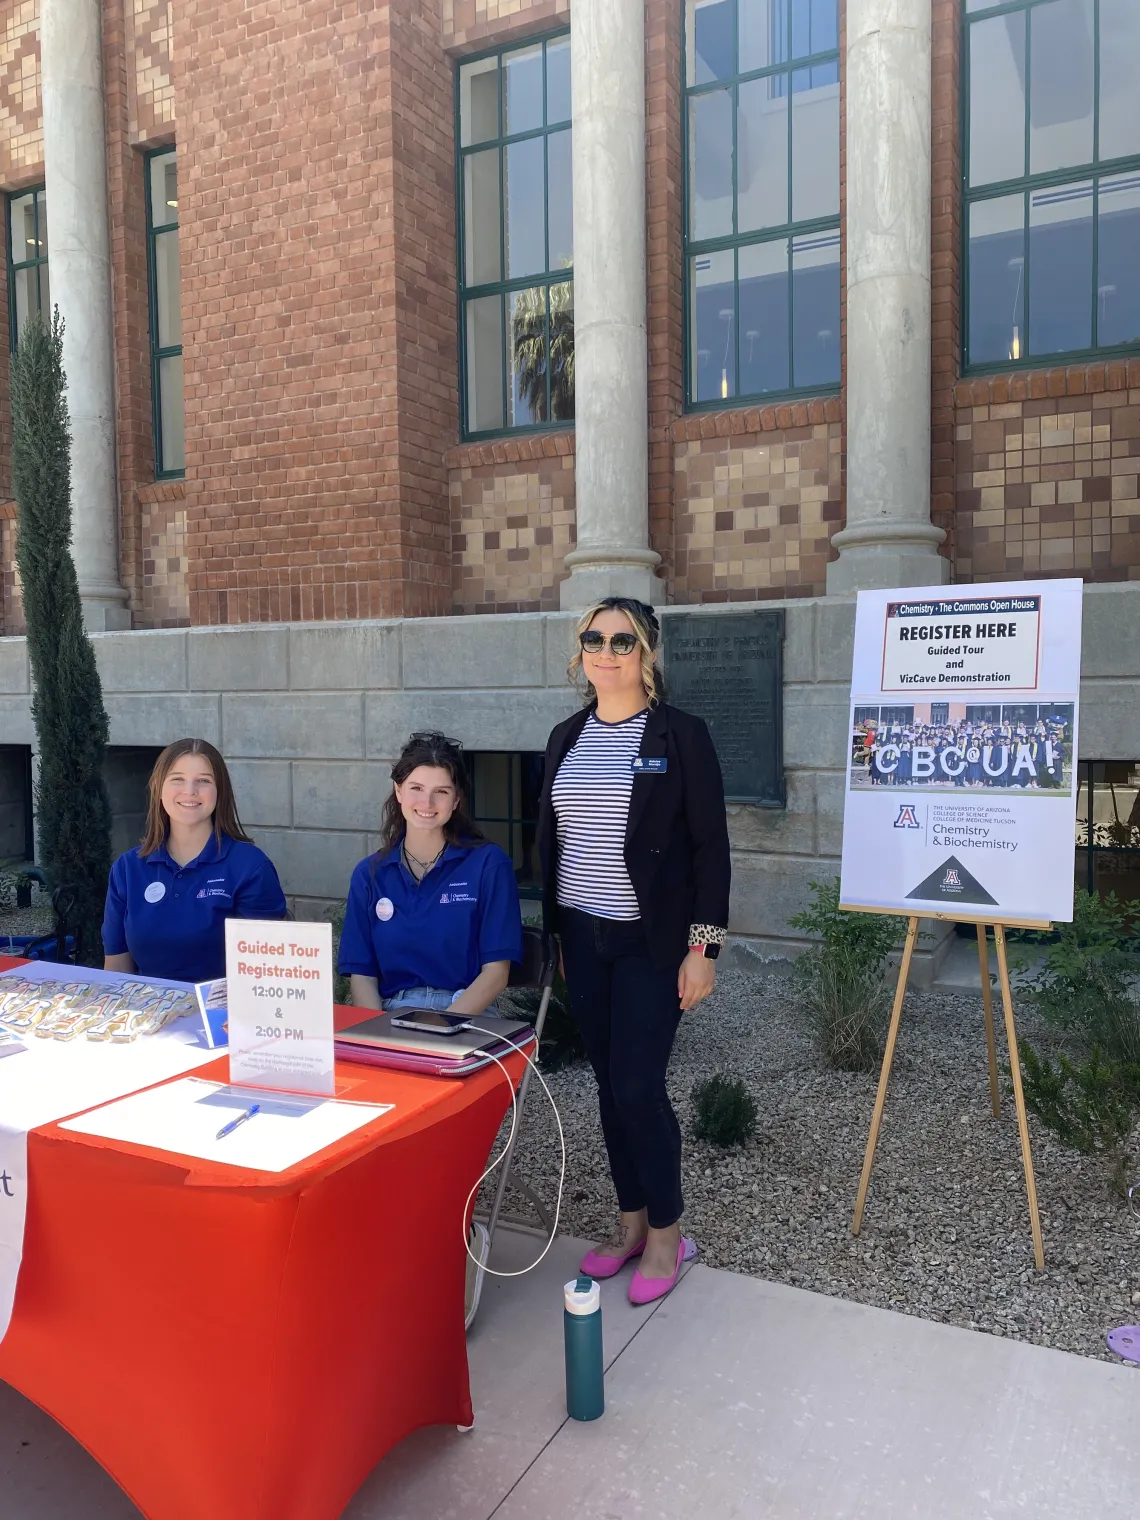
(433, 918)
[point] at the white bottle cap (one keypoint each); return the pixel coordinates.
(583, 1300)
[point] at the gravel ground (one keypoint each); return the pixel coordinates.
(946, 1231)
(34, 920)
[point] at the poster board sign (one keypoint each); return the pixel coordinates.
(279, 996)
(961, 764)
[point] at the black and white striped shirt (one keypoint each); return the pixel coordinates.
(591, 802)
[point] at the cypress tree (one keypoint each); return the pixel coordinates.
(73, 809)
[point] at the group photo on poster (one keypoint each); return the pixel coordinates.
(960, 792)
(1017, 747)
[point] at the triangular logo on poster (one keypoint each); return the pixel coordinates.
(951, 882)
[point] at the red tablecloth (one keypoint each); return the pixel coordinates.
(237, 1345)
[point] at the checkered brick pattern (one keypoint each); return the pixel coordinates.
(150, 40)
(21, 127)
(755, 513)
(468, 24)
(11, 598)
(1048, 473)
(512, 523)
(162, 584)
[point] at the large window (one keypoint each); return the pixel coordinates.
(1052, 179)
(1108, 827)
(27, 260)
(762, 198)
(516, 238)
(165, 313)
(505, 789)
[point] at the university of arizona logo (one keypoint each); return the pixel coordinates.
(906, 818)
(951, 879)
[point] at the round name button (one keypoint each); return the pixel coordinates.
(384, 909)
(155, 892)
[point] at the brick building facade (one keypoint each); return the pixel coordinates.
(325, 473)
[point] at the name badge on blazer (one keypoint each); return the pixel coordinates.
(648, 766)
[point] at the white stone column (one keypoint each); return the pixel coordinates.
(888, 539)
(611, 470)
(79, 263)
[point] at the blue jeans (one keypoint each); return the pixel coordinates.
(628, 1011)
(419, 997)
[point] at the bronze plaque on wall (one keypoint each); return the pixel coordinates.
(728, 669)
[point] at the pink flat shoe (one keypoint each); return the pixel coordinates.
(645, 1290)
(601, 1267)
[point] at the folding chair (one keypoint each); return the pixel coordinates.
(536, 970)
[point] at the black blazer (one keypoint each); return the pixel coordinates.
(676, 840)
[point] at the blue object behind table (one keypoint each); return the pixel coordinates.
(35, 947)
(582, 1329)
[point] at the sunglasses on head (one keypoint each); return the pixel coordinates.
(593, 642)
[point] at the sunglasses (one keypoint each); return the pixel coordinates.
(593, 642)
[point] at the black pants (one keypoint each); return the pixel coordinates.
(628, 1011)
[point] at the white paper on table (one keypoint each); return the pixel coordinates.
(54, 1078)
(185, 1117)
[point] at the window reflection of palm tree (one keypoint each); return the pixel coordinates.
(528, 347)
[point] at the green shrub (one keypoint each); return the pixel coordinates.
(1084, 985)
(73, 811)
(1089, 1105)
(843, 979)
(724, 1111)
(1083, 989)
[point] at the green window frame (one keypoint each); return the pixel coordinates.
(1050, 182)
(515, 257)
(28, 289)
(761, 128)
(165, 314)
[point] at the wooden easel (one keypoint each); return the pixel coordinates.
(982, 926)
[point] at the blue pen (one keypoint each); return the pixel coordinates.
(228, 1129)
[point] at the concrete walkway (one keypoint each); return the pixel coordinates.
(733, 1398)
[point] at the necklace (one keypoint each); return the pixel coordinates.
(411, 861)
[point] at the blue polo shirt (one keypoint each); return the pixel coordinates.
(172, 918)
(439, 932)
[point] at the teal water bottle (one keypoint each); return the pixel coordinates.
(582, 1326)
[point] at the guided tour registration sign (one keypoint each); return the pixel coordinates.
(279, 994)
(961, 766)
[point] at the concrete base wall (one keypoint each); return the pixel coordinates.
(310, 717)
(127, 772)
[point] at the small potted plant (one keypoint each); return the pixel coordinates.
(23, 890)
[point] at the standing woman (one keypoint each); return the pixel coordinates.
(634, 845)
(168, 899)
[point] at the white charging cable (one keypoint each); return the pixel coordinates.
(506, 1151)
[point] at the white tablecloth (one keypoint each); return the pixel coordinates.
(55, 1079)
